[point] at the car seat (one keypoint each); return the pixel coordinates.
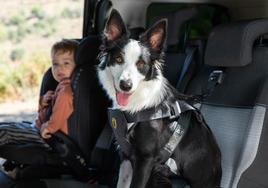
(189, 25)
(236, 109)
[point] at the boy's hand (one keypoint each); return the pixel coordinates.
(47, 98)
(45, 133)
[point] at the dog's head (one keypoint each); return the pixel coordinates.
(130, 70)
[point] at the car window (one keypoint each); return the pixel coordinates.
(28, 29)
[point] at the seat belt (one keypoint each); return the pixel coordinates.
(190, 51)
(215, 78)
(106, 138)
(71, 155)
(102, 147)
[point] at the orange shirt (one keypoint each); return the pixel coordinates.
(62, 103)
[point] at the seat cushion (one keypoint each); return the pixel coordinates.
(237, 131)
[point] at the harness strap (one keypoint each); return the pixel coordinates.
(119, 122)
(175, 138)
(180, 127)
(171, 111)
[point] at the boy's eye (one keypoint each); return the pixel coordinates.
(140, 64)
(119, 60)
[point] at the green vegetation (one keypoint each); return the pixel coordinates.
(70, 13)
(38, 12)
(3, 33)
(36, 24)
(17, 19)
(17, 54)
(27, 31)
(17, 78)
(46, 27)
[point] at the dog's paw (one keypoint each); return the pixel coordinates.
(161, 169)
(160, 177)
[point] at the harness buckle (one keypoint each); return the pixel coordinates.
(175, 110)
(216, 76)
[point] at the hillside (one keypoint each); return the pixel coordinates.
(28, 28)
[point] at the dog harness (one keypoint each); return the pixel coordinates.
(121, 122)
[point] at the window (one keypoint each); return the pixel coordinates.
(28, 29)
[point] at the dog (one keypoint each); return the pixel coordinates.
(130, 72)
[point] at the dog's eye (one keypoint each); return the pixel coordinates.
(140, 64)
(119, 60)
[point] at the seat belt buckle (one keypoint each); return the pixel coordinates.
(216, 76)
(175, 110)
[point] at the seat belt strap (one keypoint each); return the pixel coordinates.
(190, 51)
(119, 126)
(105, 139)
(70, 154)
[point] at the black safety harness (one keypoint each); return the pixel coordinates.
(121, 122)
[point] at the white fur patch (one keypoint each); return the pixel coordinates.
(125, 174)
(147, 94)
(128, 71)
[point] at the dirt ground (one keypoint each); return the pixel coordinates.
(18, 110)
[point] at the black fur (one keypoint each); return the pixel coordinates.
(197, 156)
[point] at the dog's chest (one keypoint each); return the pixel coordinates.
(151, 135)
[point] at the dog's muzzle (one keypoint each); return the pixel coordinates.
(125, 85)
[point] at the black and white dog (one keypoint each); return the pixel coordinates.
(131, 73)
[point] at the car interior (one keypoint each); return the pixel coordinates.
(215, 52)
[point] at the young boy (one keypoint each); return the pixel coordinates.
(61, 101)
(63, 64)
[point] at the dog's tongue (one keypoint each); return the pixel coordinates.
(122, 98)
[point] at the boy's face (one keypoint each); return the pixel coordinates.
(62, 65)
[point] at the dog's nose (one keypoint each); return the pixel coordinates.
(125, 85)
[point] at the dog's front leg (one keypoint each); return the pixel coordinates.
(141, 172)
(125, 174)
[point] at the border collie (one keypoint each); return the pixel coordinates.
(131, 73)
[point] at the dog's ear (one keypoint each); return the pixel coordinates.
(156, 36)
(115, 27)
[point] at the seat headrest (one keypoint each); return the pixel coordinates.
(87, 50)
(48, 82)
(230, 45)
(175, 22)
(101, 15)
(135, 32)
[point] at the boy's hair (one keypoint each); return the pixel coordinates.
(65, 45)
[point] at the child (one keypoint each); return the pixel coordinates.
(63, 64)
(61, 101)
